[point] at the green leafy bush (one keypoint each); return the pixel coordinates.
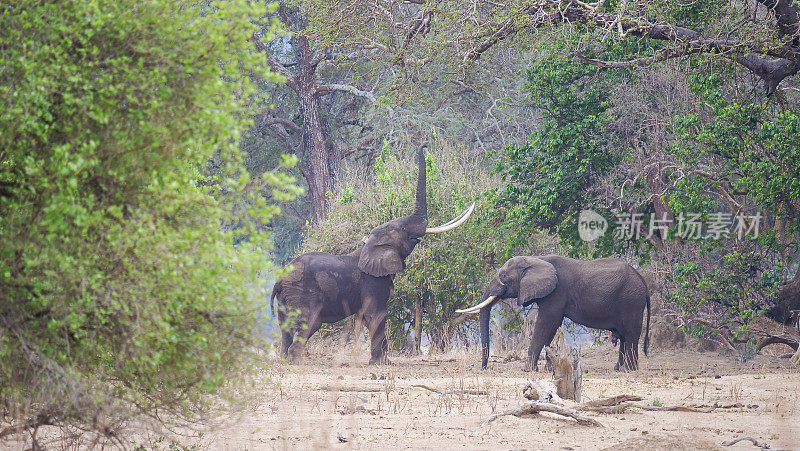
(121, 293)
(720, 291)
(548, 176)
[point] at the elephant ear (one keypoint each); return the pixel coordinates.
(380, 256)
(538, 280)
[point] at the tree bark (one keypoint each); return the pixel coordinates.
(788, 299)
(315, 155)
(418, 326)
(320, 157)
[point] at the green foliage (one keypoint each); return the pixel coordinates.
(548, 176)
(692, 14)
(744, 153)
(120, 292)
(755, 148)
(721, 291)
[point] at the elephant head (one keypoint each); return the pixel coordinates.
(387, 246)
(523, 278)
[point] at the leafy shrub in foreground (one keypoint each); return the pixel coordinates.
(120, 294)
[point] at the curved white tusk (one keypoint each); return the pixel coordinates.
(457, 218)
(478, 307)
(462, 218)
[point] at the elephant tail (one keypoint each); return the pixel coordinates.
(647, 331)
(275, 290)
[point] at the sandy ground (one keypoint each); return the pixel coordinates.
(334, 400)
(337, 401)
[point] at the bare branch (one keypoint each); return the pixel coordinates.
(785, 56)
(274, 64)
(327, 89)
(466, 391)
(756, 443)
(266, 122)
(533, 407)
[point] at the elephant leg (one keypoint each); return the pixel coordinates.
(547, 324)
(621, 360)
(632, 355)
(287, 338)
(628, 355)
(287, 333)
(376, 323)
(297, 349)
(376, 292)
(630, 331)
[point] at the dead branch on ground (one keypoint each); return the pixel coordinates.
(612, 401)
(466, 391)
(762, 445)
(534, 407)
(542, 398)
(778, 339)
(352, 389)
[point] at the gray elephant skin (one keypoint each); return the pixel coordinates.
(326, 288)
(602, 294)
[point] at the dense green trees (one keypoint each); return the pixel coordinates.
(547, 177)
(121, 291)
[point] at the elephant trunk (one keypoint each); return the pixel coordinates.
(647, 333)
(421, 205)
(486, 313)
(494, 291)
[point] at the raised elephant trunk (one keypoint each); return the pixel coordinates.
(421, 206)
(419, 218)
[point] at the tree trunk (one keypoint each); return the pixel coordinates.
(565, 363)
(417, 326)
(788, 299)
(656, 186)
(315, 140)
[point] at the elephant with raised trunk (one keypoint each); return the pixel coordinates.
(602, 294)
(326, 288)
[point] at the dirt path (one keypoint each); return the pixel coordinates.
(339, 402)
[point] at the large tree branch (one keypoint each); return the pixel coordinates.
(785, 14)
(268, 121)
(771, 61)
(772, 71)
(327, 89)
(273, 62)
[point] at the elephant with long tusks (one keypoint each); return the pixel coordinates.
(602, 294)
(326, 288)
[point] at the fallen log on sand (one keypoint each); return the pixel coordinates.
(755, 442)
(534, 407)
(778, 339)
(782, 339)
(466, 391)
(542, 398)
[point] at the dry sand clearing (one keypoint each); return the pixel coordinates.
(339, 402)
